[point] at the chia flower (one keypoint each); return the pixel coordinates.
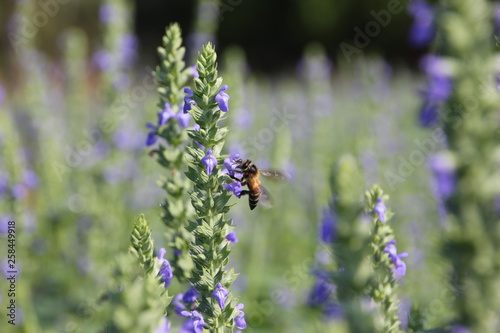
(191, 295)
(459, 329)
(322, 289)
(423, 29)
(188, 100)
(234, 187)
(232, 237)
(443, 168)
(165, 115)
(220, 293)
(102, 59)
(128, 49)
(179, 306)
(333, 310)
(194, 71)
(151, 138)
(380, 209)
(164, 326)
(209, 161)
(222, 98)
(183, 119)
(399, 265)
(328, 227)
(439, 81)
(239, 320)
(194, 324)
(429, 115)
(106, 13)
(165, 269)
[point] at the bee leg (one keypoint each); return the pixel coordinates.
(244, 192)
(238, 179)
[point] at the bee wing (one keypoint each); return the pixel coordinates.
(275, 175)
(265, 199)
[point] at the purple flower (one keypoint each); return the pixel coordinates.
(443, 169)
(439, 81)
(191, 295)
(423, 29)
(230, 164)
(128, 49)
(232, 237)
(30, 179)
(380, 209)
(459, 329)
(322, 289)
(106, 13)
(220, 293)
(328, 226)
(399, 265)
(222, 98)
(209, 161)
(179, 306)
(239, 320)
(102, 59)
(429, 115)
(194, 324)
(188, 100)
(234, 187)
(2, 94)
(165, 269)
(183, 119)
(164, 326)
(333, 310)
(4, 224)
(194, 71)
(165, 115)
(151, 138)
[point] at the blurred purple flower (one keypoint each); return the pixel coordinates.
(220, 293)
(183, 119)
(380, 209)
(4, 224)
(429, 115)
(165, 115)
(496, 16)
(328, 229)
(128, 45)
(194, 324)
(102, 59)
(188, 100)
(209, 161)
(239, 321)
(165, 269)
(423, 29)
(191, 295)
(459, 329)
(322, 289)
(151, 138)
(30, 179)
(222, 98)
(399, 265)
(4, 184)
(443, 169)
(106, 13)
(2, 94)
(234, 187)
(194, 71)
(232, 237)
(439, 82)
(164, 326)
(333, 310)
(19, 191)
(179, 306)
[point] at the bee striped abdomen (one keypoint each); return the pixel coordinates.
(254, 192)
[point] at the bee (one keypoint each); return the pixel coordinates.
(250, 177)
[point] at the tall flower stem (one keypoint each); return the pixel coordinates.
(209, 249)
(470, 122)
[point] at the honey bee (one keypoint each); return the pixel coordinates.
(250, 177)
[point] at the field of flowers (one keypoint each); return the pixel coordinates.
(124, 206)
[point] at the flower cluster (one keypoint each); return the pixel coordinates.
(423, 29)
(163, 117)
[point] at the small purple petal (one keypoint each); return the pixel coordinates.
(188, 100)
(234, 187)
(222, 99)
(209, 161)
(191, 295)
(220, 293)
(380, 210)
(232, 237)
(239, 321)
(183, 119)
